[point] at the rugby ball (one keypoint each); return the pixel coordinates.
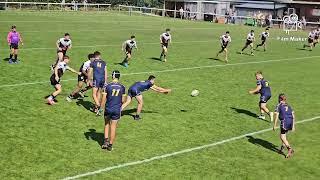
(195, 93)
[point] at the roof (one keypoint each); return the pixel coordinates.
(261, 6)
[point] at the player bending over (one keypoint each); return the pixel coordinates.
(286, 116)
(265, 91)
(97, 78)
(264, 36)
(113, 97)
(55, 78)
(224, 40)
(311, 40)
(13, 39)
(82, 79)
(127, 47)
(63, 45)
(165, 39)
(136, 90)
(249, 42)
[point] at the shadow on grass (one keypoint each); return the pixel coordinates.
(217, 59)
(263, 143)
(6, 59)
(86, 104)
(92, 134)
(131, 112)
(244, 111)
(303, 49)
(155, 58)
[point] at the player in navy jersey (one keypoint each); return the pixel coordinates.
(285, 114)
(165, 39)
(249, 42)
(97, 78)
(82, 79)
(264, 36)
(136, 90)
(127, 47)
(263, 88)
(59, 70)
(224, 40)
(112, 99)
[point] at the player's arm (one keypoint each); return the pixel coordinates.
(160, 89)
(275, 120)
(105, 75)
(123, 46)
(70, 46)
(20, 39)
(72, 70)
(136, 46)
(103, 99)
(58, 44)
(90, 76)
(9, 38)
(293, 121)
(256, 90)
(56, 76)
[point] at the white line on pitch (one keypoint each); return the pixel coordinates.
(174, 70)
(178, 152)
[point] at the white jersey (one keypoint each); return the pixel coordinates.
(311, 35)
(265, 35)
(63, 43)
(130, 44)
(63, 66)
(85, 66)
(225, 39)
(165, 38)
(250, 37)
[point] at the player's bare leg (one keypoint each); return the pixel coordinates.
(51, 98)
(284, 140)
(15, 56)
(139, 107)
(113, 127)
(164, 54)
(251, 49)
(128, 101)
(226, 55)
(11, 56)
(106, 133)
(75, 91)
(95, 96)
(264, 109)
(245, 47)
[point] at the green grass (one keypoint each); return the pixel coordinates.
(43, 142)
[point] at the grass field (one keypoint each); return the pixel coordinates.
(54, 142)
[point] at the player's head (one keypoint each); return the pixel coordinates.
(115, 74)
(14, 28)
(133, 37)
(66, 59)
(282, 97)
(258, 75)
(227, 33)
(267, 29)
(91, 57)
(152, 78)
(97, 55)
(167, 31)
(252, 31)
(66, 36)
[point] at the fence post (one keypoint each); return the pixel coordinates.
(48, 6)
(20, 6)
(98, 7)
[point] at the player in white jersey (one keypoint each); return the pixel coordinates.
(63, 45)
(264, 36)
(225, 39)
(82, 79)
(311, 39)
(249, 42)
(316, 37)
(55, 78)
(127, 47)
(165, 39)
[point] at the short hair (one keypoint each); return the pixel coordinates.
(90, 56)
(133, 36)
(227, 32)
(66, 57)
(66, 34)
(151, 77)
(13, 26)
(282, 97)
(267, 29)
(252, 30)
(258, 72)
(167, 29)
(116, 74)
(96, 53)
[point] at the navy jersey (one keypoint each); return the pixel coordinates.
(114, 91)
(98, 66)
(142, 86)
(285, 115)
(265, 88)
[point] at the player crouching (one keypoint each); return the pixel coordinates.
(286, 116)
(55, 78)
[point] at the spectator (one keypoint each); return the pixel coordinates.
(270, 20)
(227, 16)
(304, 22)
(188, 13)
(181, 13)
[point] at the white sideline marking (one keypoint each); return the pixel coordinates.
(178, 152)
(174, 70)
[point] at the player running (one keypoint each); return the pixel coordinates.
(264, 36)
(264, 89)
(224, 40)
(82, 79)
(97, 78)
(63, 45)
(316, 37)
(13, 39)
(311, 39)
(249, 42)
(286, 116)
(136, 90)
(113, 97)
(127, 47)
(165, 39)
(55, 78)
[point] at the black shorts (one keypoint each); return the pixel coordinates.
(310, 40)
(224, 46)
(128, 51)
(316, 37)
(248, 42)
(14, 46)
(112, 114)
(283, 131)
(64, 52)
(165, 45)
(263, 41)
(53, 80)
(82, 78)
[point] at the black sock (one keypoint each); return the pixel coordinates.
(11, 56)
(16, 57)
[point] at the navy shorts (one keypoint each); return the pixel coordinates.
(14, 46)
(112, 114)
(264, 98)
(98, 83)
(133, 93)
(285, 126)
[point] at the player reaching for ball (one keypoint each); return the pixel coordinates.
(285, 114)
(136, 90)
(263, 87)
